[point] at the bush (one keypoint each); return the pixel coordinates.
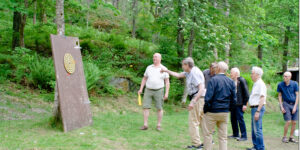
(92, 74)
(42, 73)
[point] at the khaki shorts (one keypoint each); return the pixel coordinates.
(157, 95)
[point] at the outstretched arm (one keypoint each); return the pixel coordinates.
(175, 74)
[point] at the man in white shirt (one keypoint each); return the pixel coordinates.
(155, 82)
(195, 86)
(257, 101)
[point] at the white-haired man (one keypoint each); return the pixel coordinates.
(195, 86)
(155, 82)
(288, 100)
(237, 112)
(219, 99)
(257, 101)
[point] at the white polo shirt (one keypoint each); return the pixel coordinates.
(259, 89)
(156, 79)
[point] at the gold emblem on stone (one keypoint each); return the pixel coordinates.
(69, 63)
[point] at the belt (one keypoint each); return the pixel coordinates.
(291, 103)
(154, 89)
(254, 106)
(192, 95)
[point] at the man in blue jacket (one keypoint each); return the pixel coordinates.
(219, 98)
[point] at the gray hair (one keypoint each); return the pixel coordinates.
(258, 71)
(235, 69)
(189, 61)
(222, 66)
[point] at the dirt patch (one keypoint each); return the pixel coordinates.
(271, 143)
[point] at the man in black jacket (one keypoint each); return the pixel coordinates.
(237, 112)
(219, 98)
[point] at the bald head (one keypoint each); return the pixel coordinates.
(156, 58)
(287, 76)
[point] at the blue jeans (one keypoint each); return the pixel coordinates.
(257, 133)
(237, 120)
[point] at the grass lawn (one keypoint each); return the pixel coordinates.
(25, 124)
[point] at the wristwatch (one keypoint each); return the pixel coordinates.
(257, 110)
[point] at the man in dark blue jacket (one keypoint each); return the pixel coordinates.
(219, 98)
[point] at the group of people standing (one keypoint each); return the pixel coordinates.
(212, 97)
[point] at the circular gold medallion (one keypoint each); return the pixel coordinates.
(69, 63)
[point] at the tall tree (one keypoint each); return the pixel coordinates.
(34, 12)
(16, 29)
(192, 31)
(227, 44)
(19, 22)
(180, 28)
(215, 50)
(115, 3)
(285, 49)
(60, 21)
(134, 15)
(22, 26)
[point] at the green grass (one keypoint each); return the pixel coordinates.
(116, 125)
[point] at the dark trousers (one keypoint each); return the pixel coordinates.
(237, 120)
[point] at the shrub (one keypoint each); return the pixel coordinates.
(42, 73)
(92, 74)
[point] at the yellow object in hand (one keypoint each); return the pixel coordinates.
(139, 100)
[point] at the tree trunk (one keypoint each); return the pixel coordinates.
(180, 34)
(260, 52)
(42, 13)
(22, 26)
(88, 13)
(215, 50)
(285, 49)
(60, 21)
(16, 30)
(115, 3)
(134, 14)
(192, 37)
(227, 46)
(34, 13)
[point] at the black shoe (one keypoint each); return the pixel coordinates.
(233, 137)
(196, 147)
(292, 140)
(251, 148)
(242, 139)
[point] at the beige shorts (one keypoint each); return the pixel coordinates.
(156, 95)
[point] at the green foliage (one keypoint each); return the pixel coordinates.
(92, 75)
(109, 51)
(42, 73)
